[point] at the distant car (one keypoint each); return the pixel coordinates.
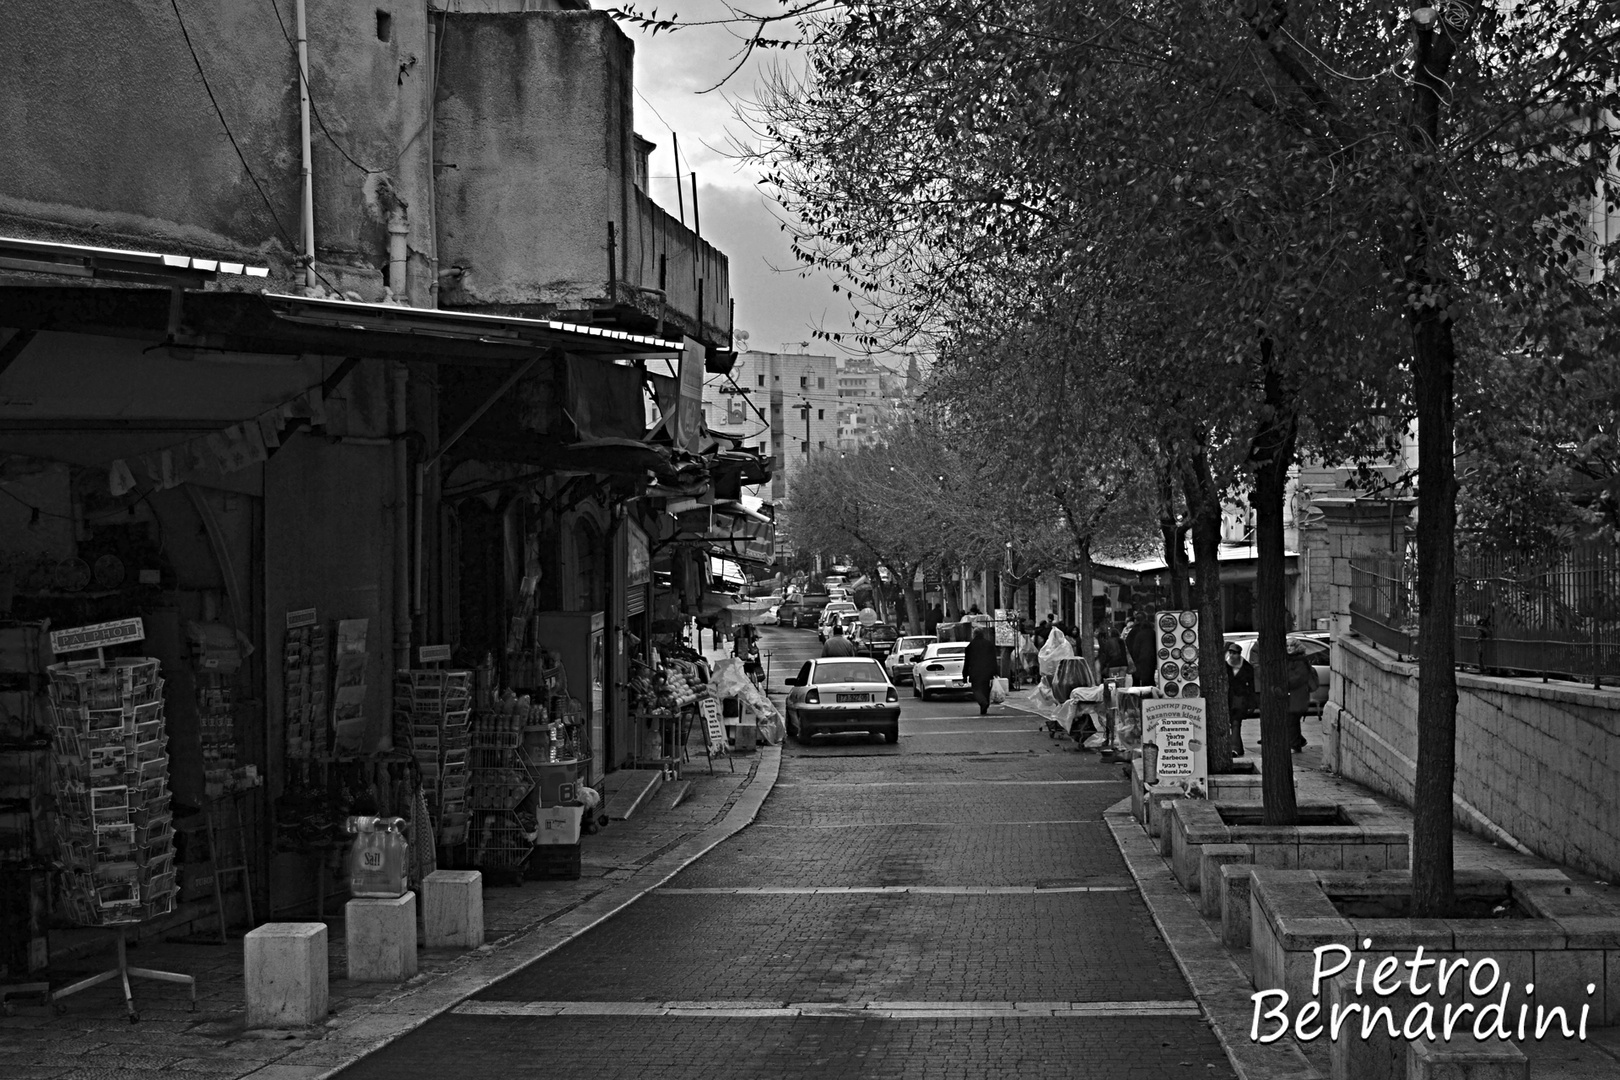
(768, 616)
(834, 611)
(1318, 650)
(849, 620)
(905, 653)
(808, 616)
(842, 694)
(876, 640)
(939, 670)
(787, 612)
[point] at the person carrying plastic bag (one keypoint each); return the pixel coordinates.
(1056, 649)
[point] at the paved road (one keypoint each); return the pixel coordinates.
(950, 907)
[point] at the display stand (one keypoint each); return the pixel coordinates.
(431, 710)
(501, 785)
(123, 972)
(228, 807)
(115, 833)
(714, 734)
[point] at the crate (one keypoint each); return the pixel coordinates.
(556, 862)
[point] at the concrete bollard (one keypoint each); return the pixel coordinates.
(453, 909)
(381, 937)
(1211, 859)
(1427, 1060)
(1235, 915)
(284, 969)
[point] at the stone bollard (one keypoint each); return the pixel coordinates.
(1427, 1060)
(1211, 859)
(381, 937)
(453, 909)
(1235, 914)
(284, 969)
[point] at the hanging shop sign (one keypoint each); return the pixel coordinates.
(638, 560)
(434, 654)
(1006, 628)
(301, 617)
(98, 635)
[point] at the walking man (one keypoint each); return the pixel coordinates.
(980, 666)
(838, 644)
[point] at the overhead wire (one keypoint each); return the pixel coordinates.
(314, 110)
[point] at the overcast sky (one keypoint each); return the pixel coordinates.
(775, 304)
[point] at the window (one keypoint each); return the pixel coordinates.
(843, 671)
(762, 380)
(804, 382)
(821, 384)
(821, 446)
(821, 414)
(776, 378)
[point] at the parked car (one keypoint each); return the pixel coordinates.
(1318, 650)
(769, 616)
(905, 653)
(876, 640)
(849, 620)
(842, 694)
(787, 613)
(939, 670)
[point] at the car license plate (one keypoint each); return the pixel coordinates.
(854, 697)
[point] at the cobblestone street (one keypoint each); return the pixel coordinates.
(952, 906)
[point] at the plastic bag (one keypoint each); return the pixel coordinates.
(998, 690)
(1057, 648)
(1043, 699)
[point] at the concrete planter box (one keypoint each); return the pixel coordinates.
(1361, 836)
(1235, 787)
(1568, 939)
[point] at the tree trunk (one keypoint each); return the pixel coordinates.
(914, 604)
(1433, 372)
(1204, 508)
(1273, 451)
(1088, 639)
(953, 597)
(1174, 535)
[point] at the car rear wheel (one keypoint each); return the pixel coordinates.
(806, 733)
(923, 694)
(892, 735)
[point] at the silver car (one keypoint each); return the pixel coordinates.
(939, 670)
(904, 654)
(841, 694)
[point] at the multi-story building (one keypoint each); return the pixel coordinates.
(375, 319)
(784, 404)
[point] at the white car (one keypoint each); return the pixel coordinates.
(842, 694)
(905, 654)
(769, 617)
(939, 670)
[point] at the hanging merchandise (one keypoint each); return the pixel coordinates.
(115, 832)
(431, 709)
(304, 682)
(349, 686)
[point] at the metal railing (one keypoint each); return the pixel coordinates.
(1559, 618)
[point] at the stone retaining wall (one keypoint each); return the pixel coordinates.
(1538, 764)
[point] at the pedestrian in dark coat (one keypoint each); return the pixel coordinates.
(1141, 641)
(932, 620)
(1112, 658)
(1239, 692)
(1302, 681)
(980, 667)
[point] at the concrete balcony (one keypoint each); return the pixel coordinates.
(539, 211)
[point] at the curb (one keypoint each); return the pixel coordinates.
(373, 1028)
(1216, 981)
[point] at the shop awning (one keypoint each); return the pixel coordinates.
(1237, 560)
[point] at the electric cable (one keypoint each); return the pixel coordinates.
(268, 205)
(314, 111)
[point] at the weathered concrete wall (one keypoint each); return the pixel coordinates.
(1538, 764)
(534, 113)
(111, 138)
(535, 130)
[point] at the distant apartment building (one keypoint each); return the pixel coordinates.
(783, 404)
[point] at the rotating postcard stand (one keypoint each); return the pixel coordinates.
(115, 831)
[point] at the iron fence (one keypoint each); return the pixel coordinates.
(1558, 618)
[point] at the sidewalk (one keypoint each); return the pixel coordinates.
(93, 1037)
(1221, 978)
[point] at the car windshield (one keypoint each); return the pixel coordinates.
(840, 605)
(913, 643)
(881, 632)
(947, 650)
(846, 671)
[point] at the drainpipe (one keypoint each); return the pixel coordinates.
(431, 225)
(399, 229)
(402, 517)
(310, 279)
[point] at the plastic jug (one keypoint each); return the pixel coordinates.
(379, 857)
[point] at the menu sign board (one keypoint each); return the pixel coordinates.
(1176, 672)
(1177, 728)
